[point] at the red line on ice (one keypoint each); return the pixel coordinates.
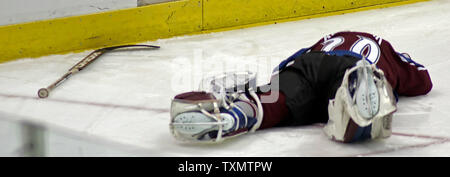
(158, 110)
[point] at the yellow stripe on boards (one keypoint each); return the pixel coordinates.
(99, 30)
(164, 20)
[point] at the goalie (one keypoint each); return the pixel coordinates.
(348, 80)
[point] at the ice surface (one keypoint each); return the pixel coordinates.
(124, 97)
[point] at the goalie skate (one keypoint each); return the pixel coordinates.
(221, 111)
(364, 101)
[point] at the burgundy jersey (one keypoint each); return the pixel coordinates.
(406, 77)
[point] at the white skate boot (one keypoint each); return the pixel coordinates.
(224, 112)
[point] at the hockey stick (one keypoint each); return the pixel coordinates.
(44, 92)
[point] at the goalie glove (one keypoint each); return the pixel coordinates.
(222, 111)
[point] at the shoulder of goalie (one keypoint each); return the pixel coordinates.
(200, 116)
(362, 111)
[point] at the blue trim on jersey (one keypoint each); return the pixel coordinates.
(283, 64)
(362, 133)
(409, 60)
(346, 53)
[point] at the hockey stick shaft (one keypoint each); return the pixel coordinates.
(44, 92)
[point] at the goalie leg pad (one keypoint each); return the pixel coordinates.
(363, 106)
(199, 117)
(344, 129)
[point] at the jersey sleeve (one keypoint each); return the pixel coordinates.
(412, 78)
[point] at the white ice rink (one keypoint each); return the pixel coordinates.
(124, 97)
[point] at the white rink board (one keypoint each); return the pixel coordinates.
(124, 97)
(21, 11)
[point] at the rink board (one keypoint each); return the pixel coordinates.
(78, 33)
(229, 13)
(147, 23)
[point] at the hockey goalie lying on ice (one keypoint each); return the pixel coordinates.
(348, 80)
